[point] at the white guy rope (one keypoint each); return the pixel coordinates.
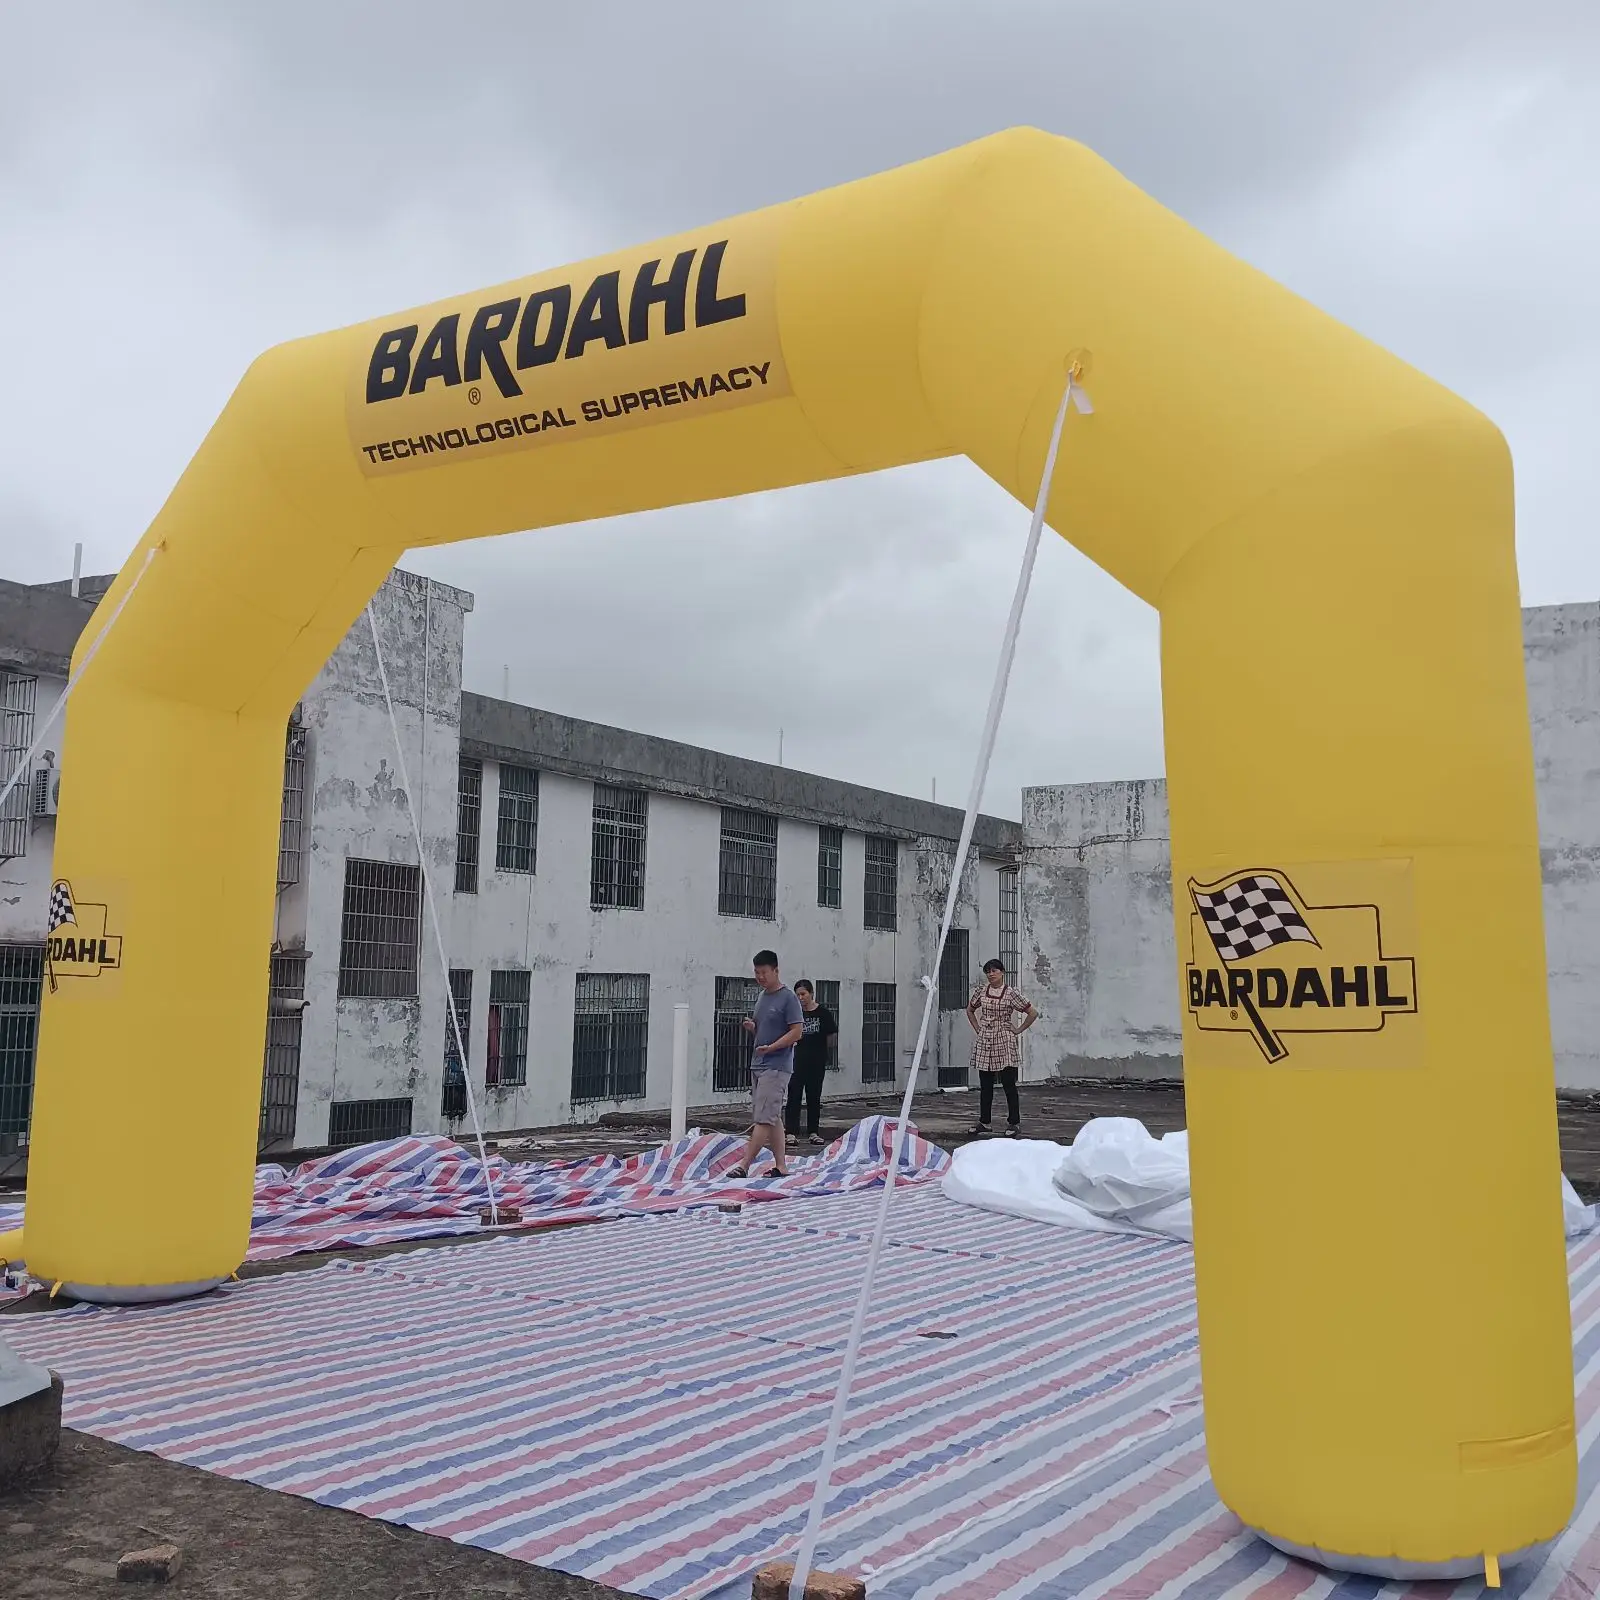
(433, 916)
(28, 755)
(1072, 398)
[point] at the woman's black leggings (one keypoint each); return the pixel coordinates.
(805, 1080)
(1008, 1082)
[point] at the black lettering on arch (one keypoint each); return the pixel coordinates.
(533, 351)
(599, 316)
(390, 366)
(671, 294)
(491, 327)
(438, 358)
(708, 307)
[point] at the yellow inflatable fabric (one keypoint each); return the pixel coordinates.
(1383, 1310)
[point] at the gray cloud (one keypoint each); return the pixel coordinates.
(181, 185)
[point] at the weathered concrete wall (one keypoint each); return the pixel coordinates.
(1097, 897)
(1097, 944)
(357, 1048)
(1562, 646)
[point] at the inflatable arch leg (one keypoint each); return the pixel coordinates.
(1385, 1338)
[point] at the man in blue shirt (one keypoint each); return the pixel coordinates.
(777, 1024)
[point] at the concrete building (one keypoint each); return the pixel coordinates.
(1097, 894)
(586, 880)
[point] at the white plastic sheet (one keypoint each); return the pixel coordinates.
(1113, 1178)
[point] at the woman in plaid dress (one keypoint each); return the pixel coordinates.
(991, 1010)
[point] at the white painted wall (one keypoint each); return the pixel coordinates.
(25, 880)
(1097, 895)
(356, 1048)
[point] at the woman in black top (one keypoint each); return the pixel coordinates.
(810, 1064)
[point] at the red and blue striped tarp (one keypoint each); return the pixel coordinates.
(644, 1404)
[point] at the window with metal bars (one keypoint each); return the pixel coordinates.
(610, 1035)
(830, 867)
(280, 1077)
(366, 1121)
(18, 696)
(453, 1104)
(828, 995)
(616, 862)
(506, 1063)
(953, 990)
(517, 837)
(21, 980)
(292, 819)
(747, 877)
(731, 1043)
(881, 895)
(378, 937)
(877, 1032)
(1010, 951)
(469, 823)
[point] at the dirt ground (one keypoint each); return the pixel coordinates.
(62, 1536)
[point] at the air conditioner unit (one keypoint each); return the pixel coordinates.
(46, 792)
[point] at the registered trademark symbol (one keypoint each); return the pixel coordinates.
(475, 394)
(1233, 1015)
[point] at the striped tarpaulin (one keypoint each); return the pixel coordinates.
(643, 1404)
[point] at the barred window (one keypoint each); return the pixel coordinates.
(21, 984)
(280, 1078)
(378, 938)
(610, 1035)
(453, 1102)
(1010, 922)
(18, 693)
(953, 990)
(364, 1121)
(877, 1032)
(882, 891)
(469, 823)
(828, 995)
(517, 838)
(830, 867)
(292, 819)
(616, 864)
(507, 1061)
(732, 1045)
(747, 879)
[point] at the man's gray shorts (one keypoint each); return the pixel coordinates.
(769, 1093)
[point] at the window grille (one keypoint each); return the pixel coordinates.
(830, 867)
(877, 1032)
(732, 1045)
(953, 990)
(18, 695)
(280, 1077)
(506, 1063)
(747, 879)
(616, 865)
(453, 1104)
(610, 1035)
(828, 995)
(516, 840)
(364, 1121)
(469, 822)
(21, 979)
(291, 822)
(378, 939)
(882, 891)
(1010, 951)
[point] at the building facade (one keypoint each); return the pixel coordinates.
(585, 880)
(1099, 931)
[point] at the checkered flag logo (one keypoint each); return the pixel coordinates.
(1250, 914)
(62, 911)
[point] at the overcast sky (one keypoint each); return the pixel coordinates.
(182, 185)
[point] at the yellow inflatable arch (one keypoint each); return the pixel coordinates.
(1385, 1342)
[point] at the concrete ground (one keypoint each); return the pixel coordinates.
(62, 1537)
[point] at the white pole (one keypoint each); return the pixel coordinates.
(680, 1071)
(77, 568)
(505, 682)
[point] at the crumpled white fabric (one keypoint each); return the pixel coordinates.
(1113, 1178)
